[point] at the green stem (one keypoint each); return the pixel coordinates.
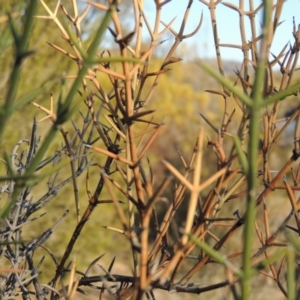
(21, 44)
(257, 96)
(291, 279)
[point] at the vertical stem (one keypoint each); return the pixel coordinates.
(291, 278)
(21, 52)
(257, 95)
(212, 8)
(195, 191)
(139, 19)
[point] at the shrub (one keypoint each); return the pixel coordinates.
(239, 222)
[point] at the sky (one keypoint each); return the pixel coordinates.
(228, 25)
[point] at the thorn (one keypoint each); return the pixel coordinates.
(237, 213)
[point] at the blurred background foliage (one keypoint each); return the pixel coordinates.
(178, 100)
